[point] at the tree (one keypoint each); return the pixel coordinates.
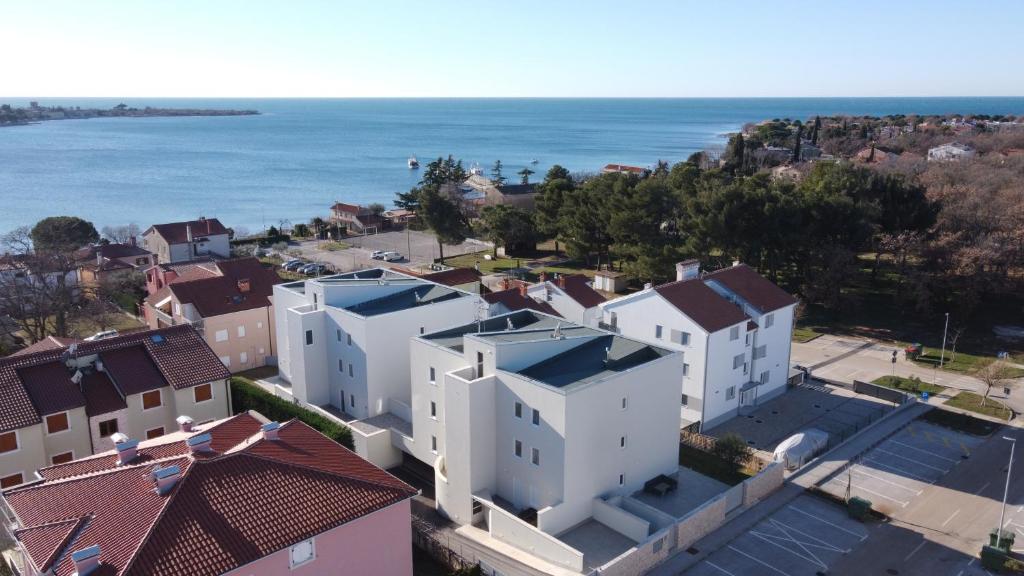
(995, 375)
(319, 226)
(408, 200)
(796, 145)
(61, 233)
(524, 175)
(121, 234)
(506, 226)
(376, 208)
(443, 217)
(734, 155)
(815, 129)
(496, 178)
(550, 202)
(733, 449)
(301, 230)
(42, 293)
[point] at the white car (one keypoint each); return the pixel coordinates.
(102, 335)
(392, 256)
(378, 254)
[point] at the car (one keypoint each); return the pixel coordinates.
(378, 254)
(102, 335)
(294, 265)
(314, 269)
(392, 256)
(287, 263)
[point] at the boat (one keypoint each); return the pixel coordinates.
(413, 162)
(534, 161)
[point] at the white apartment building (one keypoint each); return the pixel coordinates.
(733, 326)
(343, 340)
(528, 411)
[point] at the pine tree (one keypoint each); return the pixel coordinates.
(496, 178)
(814, 131)
(796, 147)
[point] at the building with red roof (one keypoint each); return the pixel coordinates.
(238, 494)
(571, 295)
(229, 301)
(66, 400)
(190, 240)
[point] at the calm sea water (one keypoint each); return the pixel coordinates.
(299, 156)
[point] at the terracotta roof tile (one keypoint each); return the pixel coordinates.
(45, 541)
(223, 294)
(454, 277)
(177, 232)
(133, 370)
(50, 387)
(513, 300)
(577, 287)
(48, 343)
(701, 304)
(746, 283)
(100, 394)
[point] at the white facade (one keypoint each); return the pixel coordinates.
(727, 367)
(529, 411)
(344, 340)
(569, 308)
(950, 152)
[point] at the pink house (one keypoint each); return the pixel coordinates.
(236, 496)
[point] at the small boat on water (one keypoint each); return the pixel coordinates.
(413, 162)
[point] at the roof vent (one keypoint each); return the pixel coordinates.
(557, 333)
(508, 324)
(184, 423)
(77, 376)
(86, 560)
(244, 285)
(118, 437)
(166, 478)
(126, 451)
(200, 443)
(270, 430)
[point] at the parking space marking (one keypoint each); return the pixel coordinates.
(896, 484)
(914, 551)
(761, 562)
(957, 511)
(929, 452)
(899, 470)
(803, 544)
(862, 537)
(982, 489)
(719, 568)
(908, 459)
(870, 491)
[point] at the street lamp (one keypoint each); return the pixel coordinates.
(1006, 491)
(942, 358)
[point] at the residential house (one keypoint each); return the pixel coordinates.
(192, 240)
(357, 219)
(104, 261)
(399, 218)
(343, 340)
(571, 295)
(466, 279)
(624, 169)
(610, 281)
(239, 495)
(59, 404)
(733, 326)
(512, 297)
(479, 191)
(786, 173)
(229, 301)
(953, 151)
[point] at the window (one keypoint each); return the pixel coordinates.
(433, 444)
(734, 333)
(622, 479)
(225, 360)
(519, 448)
(62, 458)
(730, 392)
(11, 481)
(746, 367)
(680, 337)
(760, 351)
(309, 337)
(519, 409)
(8, 441)
(686, 369)
(686, 400)
(241, 331)
(341, 365)
(624, 403)
(57, 423)
(154, 433)
(259, 325)
(202, 393)
(352, 400)
(747, 343)
(349, 336)
(243, 358)
(737, 361)
(765, 376)
(108, 427)
(479, 364)
(536, 417)
(151, 399)
(657, 331)
(338, 331)
(350, 370)
(221, 336)
(769, 320)
(433, 410)
(302, 553)
(535, 456)
(421, 329)
(622, 441)
(432, 373)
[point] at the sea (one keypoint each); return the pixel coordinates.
(298, 156)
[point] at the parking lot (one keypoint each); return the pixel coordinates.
(894, 473)
(418, 249)
(803, 538)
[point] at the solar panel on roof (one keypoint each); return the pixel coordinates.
(157, 338)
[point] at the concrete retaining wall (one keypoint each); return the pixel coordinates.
(611, 515)
(639, 560)
(767, 481)
(511, 530)
(700, 522)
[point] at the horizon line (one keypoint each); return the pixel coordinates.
(516, 97)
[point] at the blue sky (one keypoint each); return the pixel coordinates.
(681, 48)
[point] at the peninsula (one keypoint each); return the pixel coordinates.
(20, 116)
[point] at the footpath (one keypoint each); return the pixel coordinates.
(817, 472)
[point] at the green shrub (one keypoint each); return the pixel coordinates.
(248, 396)
(733, 449)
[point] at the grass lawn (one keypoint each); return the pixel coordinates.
(83, 327)
(907, 385)
(710, 465)
(804, 334)
(502, 265)
(971, 401)
(335, 246)
(960, 422)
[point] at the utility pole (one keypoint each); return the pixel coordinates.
(1006, 491)
(942, 358)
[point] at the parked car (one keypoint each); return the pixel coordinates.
(377, 254)
(392, 256)
(102, 335)
(293, 265)
(314, 269)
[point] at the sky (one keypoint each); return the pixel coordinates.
(520, 48)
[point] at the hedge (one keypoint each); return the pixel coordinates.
(247, 396)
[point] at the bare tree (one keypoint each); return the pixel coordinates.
(38, 289)
(121, 234)
(995, 375)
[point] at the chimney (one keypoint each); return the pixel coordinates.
(184, 423)
(165, 478)
(561, 281)
(505, 284)
(543, 277)
(86, 560)
(200, 443)
(188, 233)
(522, 290)
(270, 430)
(688, 269)
(126, 451)
(243, 285)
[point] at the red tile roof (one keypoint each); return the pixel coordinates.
(757, 290)
(177, 232)
(222, 294)
(131, 369)
(39, 383)
(513, 300)
(45, 541)
(48, 343)
(702, 304)
(454, 277)
(101, 397)
(577, 287)
(623, 168)
(111, 251)
(228, 509)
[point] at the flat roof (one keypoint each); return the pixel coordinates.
(595, 360)
(520, 320)
(419, 294)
